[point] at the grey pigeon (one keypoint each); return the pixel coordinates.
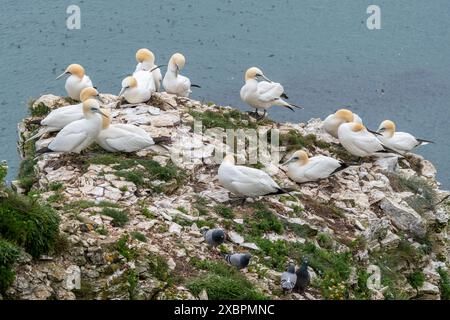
(303, 277)
(288, 279)
(214, 237)
(239, 260)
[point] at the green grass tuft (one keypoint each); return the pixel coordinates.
(224, 211)
(222, 282)
(120, 218)
(40, 110)
(31, 225)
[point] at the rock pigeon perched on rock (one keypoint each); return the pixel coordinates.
(214, 237)
(303, 277)
(288, 279)
(239, 260)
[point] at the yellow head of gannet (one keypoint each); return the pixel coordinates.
(345, 115)
(299, 156)
(73, 69)
(179, 60)
(88, 93)
(254, 73)
(91, 107)
(387, 127)
(145, 55)
(358, 127)
(127, 83)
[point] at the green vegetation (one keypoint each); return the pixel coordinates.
(139, 236)
(444, 284)
(424, 196)
(222, 282)
(124, 250)
(294, 141)
(9, 253)
(158, 267)
(41, 110)
(120, 218)
(262, 221)
(226, 119)
(143, 171)
(224, 211)
(29, 224)
(416, 279)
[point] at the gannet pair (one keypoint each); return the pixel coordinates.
(358, 141)
(333, 121)
(246, 182)
(303, 169)
(402, 142)
(59, 118)
(264, 94)
(76, 82)
(80, 134)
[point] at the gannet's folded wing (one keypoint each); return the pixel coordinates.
(269, 91)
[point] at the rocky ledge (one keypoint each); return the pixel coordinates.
(130, 223)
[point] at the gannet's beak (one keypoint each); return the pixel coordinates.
(121, 92)
(61, 75)
(289, 161)
(265, 78)
(374, 132)
(157, 67)
(100, 112)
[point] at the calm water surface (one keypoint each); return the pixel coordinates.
(320, 50)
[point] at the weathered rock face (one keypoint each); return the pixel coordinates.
(132, 222)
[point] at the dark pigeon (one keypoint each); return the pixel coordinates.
(214, 237)
(303, 277)
(239, 260)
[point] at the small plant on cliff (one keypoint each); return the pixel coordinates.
(444, 284)
(29, 224)
(9, 253)
(40, 110)
(120, 218)
(222, 282)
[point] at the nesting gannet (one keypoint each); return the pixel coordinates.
(146, 62)
(175, 83)
(355, 138)
(61, 117)
(302, 169)
(122, 137)
(246, 182)
(77, 81)
(80, 134)
(137, 88)
(401, 142)
(333, 121)
(262, 95)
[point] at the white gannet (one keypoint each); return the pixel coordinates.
(246, 182)
(59, 118)
(333, 121)
(122, 137)
(302, 169)
(80, 134)
(146, 62)
(137, 88)
(401, 142)
(175, 83)
(77, 80)
(264, 94)
(355, 138)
